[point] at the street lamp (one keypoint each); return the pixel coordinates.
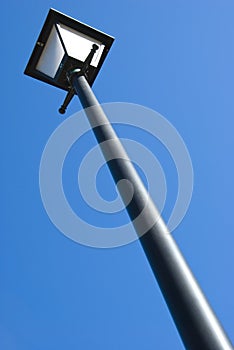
(69, 55)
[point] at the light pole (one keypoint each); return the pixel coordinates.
(52, 63)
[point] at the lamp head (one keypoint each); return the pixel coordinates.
(63, 45)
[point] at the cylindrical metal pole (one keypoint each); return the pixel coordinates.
(195, 320)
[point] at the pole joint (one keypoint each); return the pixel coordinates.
(77, 71)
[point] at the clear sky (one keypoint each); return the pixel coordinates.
(175, 57)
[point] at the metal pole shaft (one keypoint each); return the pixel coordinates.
(195, 320)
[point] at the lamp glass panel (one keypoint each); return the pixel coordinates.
(79, 45)
(52, 55)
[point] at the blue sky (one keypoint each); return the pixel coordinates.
(175, 57)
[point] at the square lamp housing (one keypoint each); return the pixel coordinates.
(63, 45)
